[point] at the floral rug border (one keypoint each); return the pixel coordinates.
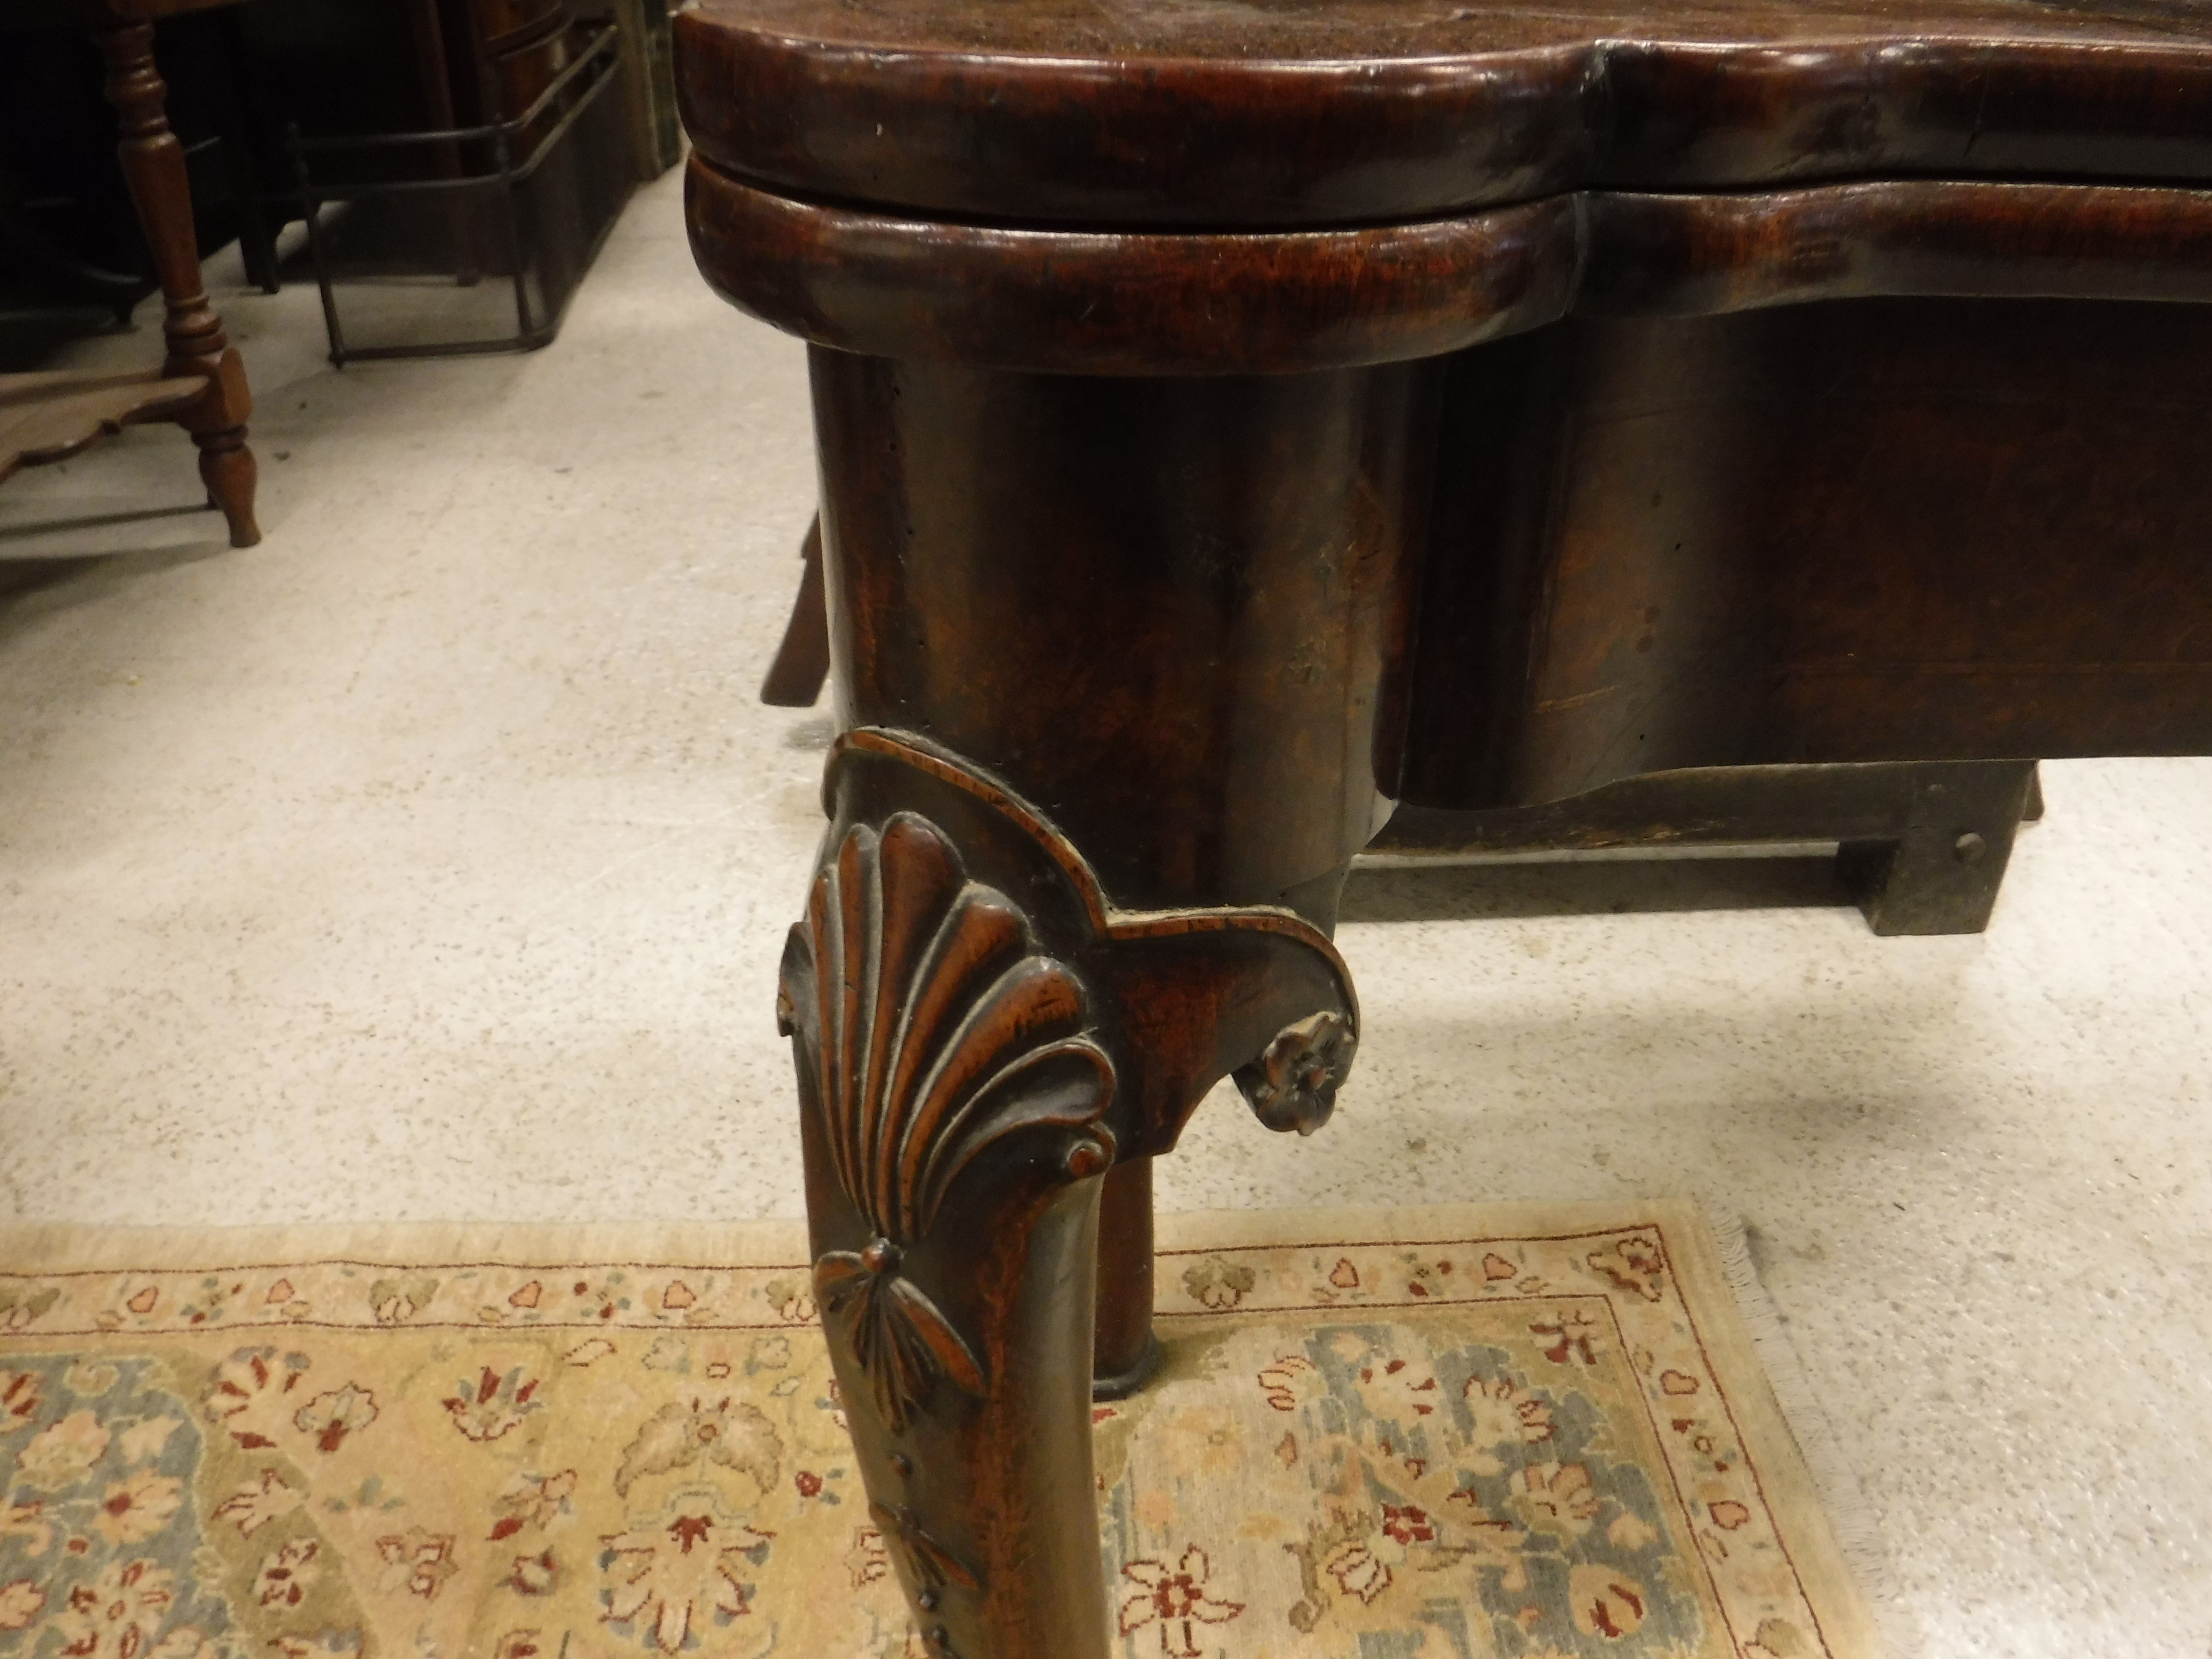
(1739, 1479)
(1644, 1277)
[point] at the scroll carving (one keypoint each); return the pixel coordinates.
(939, 1031)
(1293, 1084)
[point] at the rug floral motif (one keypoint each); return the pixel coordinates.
(1474, 1443)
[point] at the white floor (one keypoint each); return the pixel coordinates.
(432, 859)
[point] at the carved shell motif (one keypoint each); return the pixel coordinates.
(939, 1033)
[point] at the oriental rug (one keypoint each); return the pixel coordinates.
(1438, 1434)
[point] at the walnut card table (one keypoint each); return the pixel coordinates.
(1236, 420)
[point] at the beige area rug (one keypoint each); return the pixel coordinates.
(1447, 1433)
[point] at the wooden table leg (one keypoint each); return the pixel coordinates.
(1124, 1351)
(979, 1036)
(802, 661)
(1942, 872)
(1117, 662)
(954, 1220)
(153, 166)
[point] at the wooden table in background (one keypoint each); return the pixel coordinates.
(1235, 420)
(200, 383)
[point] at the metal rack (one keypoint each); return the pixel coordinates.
(556, 241)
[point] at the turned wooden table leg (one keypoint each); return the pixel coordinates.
(153, 166)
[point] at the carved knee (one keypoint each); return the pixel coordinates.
(980, 1035)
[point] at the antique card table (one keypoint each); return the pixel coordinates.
(1235, 419)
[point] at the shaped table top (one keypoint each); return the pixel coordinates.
(1295, 112)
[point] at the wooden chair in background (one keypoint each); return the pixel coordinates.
(200, 385)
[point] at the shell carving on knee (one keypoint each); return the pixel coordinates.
(939, 1031)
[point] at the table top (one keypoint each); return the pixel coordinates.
(1291, 113)
(1367, 31)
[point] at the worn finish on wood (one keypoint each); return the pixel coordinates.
(1235, 420)
(154, 168)
(939, 1033)
(1124, 1353)
(1867, 804)
(1084, 113)
(979, 1033)
(1902, 828)
(1893, 531)
(1941, 874)
(1129, 302)
(1174, 612)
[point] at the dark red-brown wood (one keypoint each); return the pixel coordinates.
(153, 166)
(1880, 532)
(802, 661)
(1340, 112)
(981, 1034)
(1123, 1350)
(201, 365)
(1236, 420)
(1126, 302)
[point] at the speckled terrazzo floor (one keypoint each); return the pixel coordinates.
(431, 861)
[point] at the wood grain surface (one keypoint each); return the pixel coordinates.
(1237, 419)
(1105, 303)
(1093, 113)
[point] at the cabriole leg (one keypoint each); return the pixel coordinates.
(1119, 667)
(954, 1103)
(979, 1037)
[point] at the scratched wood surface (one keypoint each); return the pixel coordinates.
(1159, 113)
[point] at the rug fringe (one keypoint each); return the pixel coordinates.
(1850, 1516)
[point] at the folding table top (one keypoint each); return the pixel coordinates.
(1291, 113)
